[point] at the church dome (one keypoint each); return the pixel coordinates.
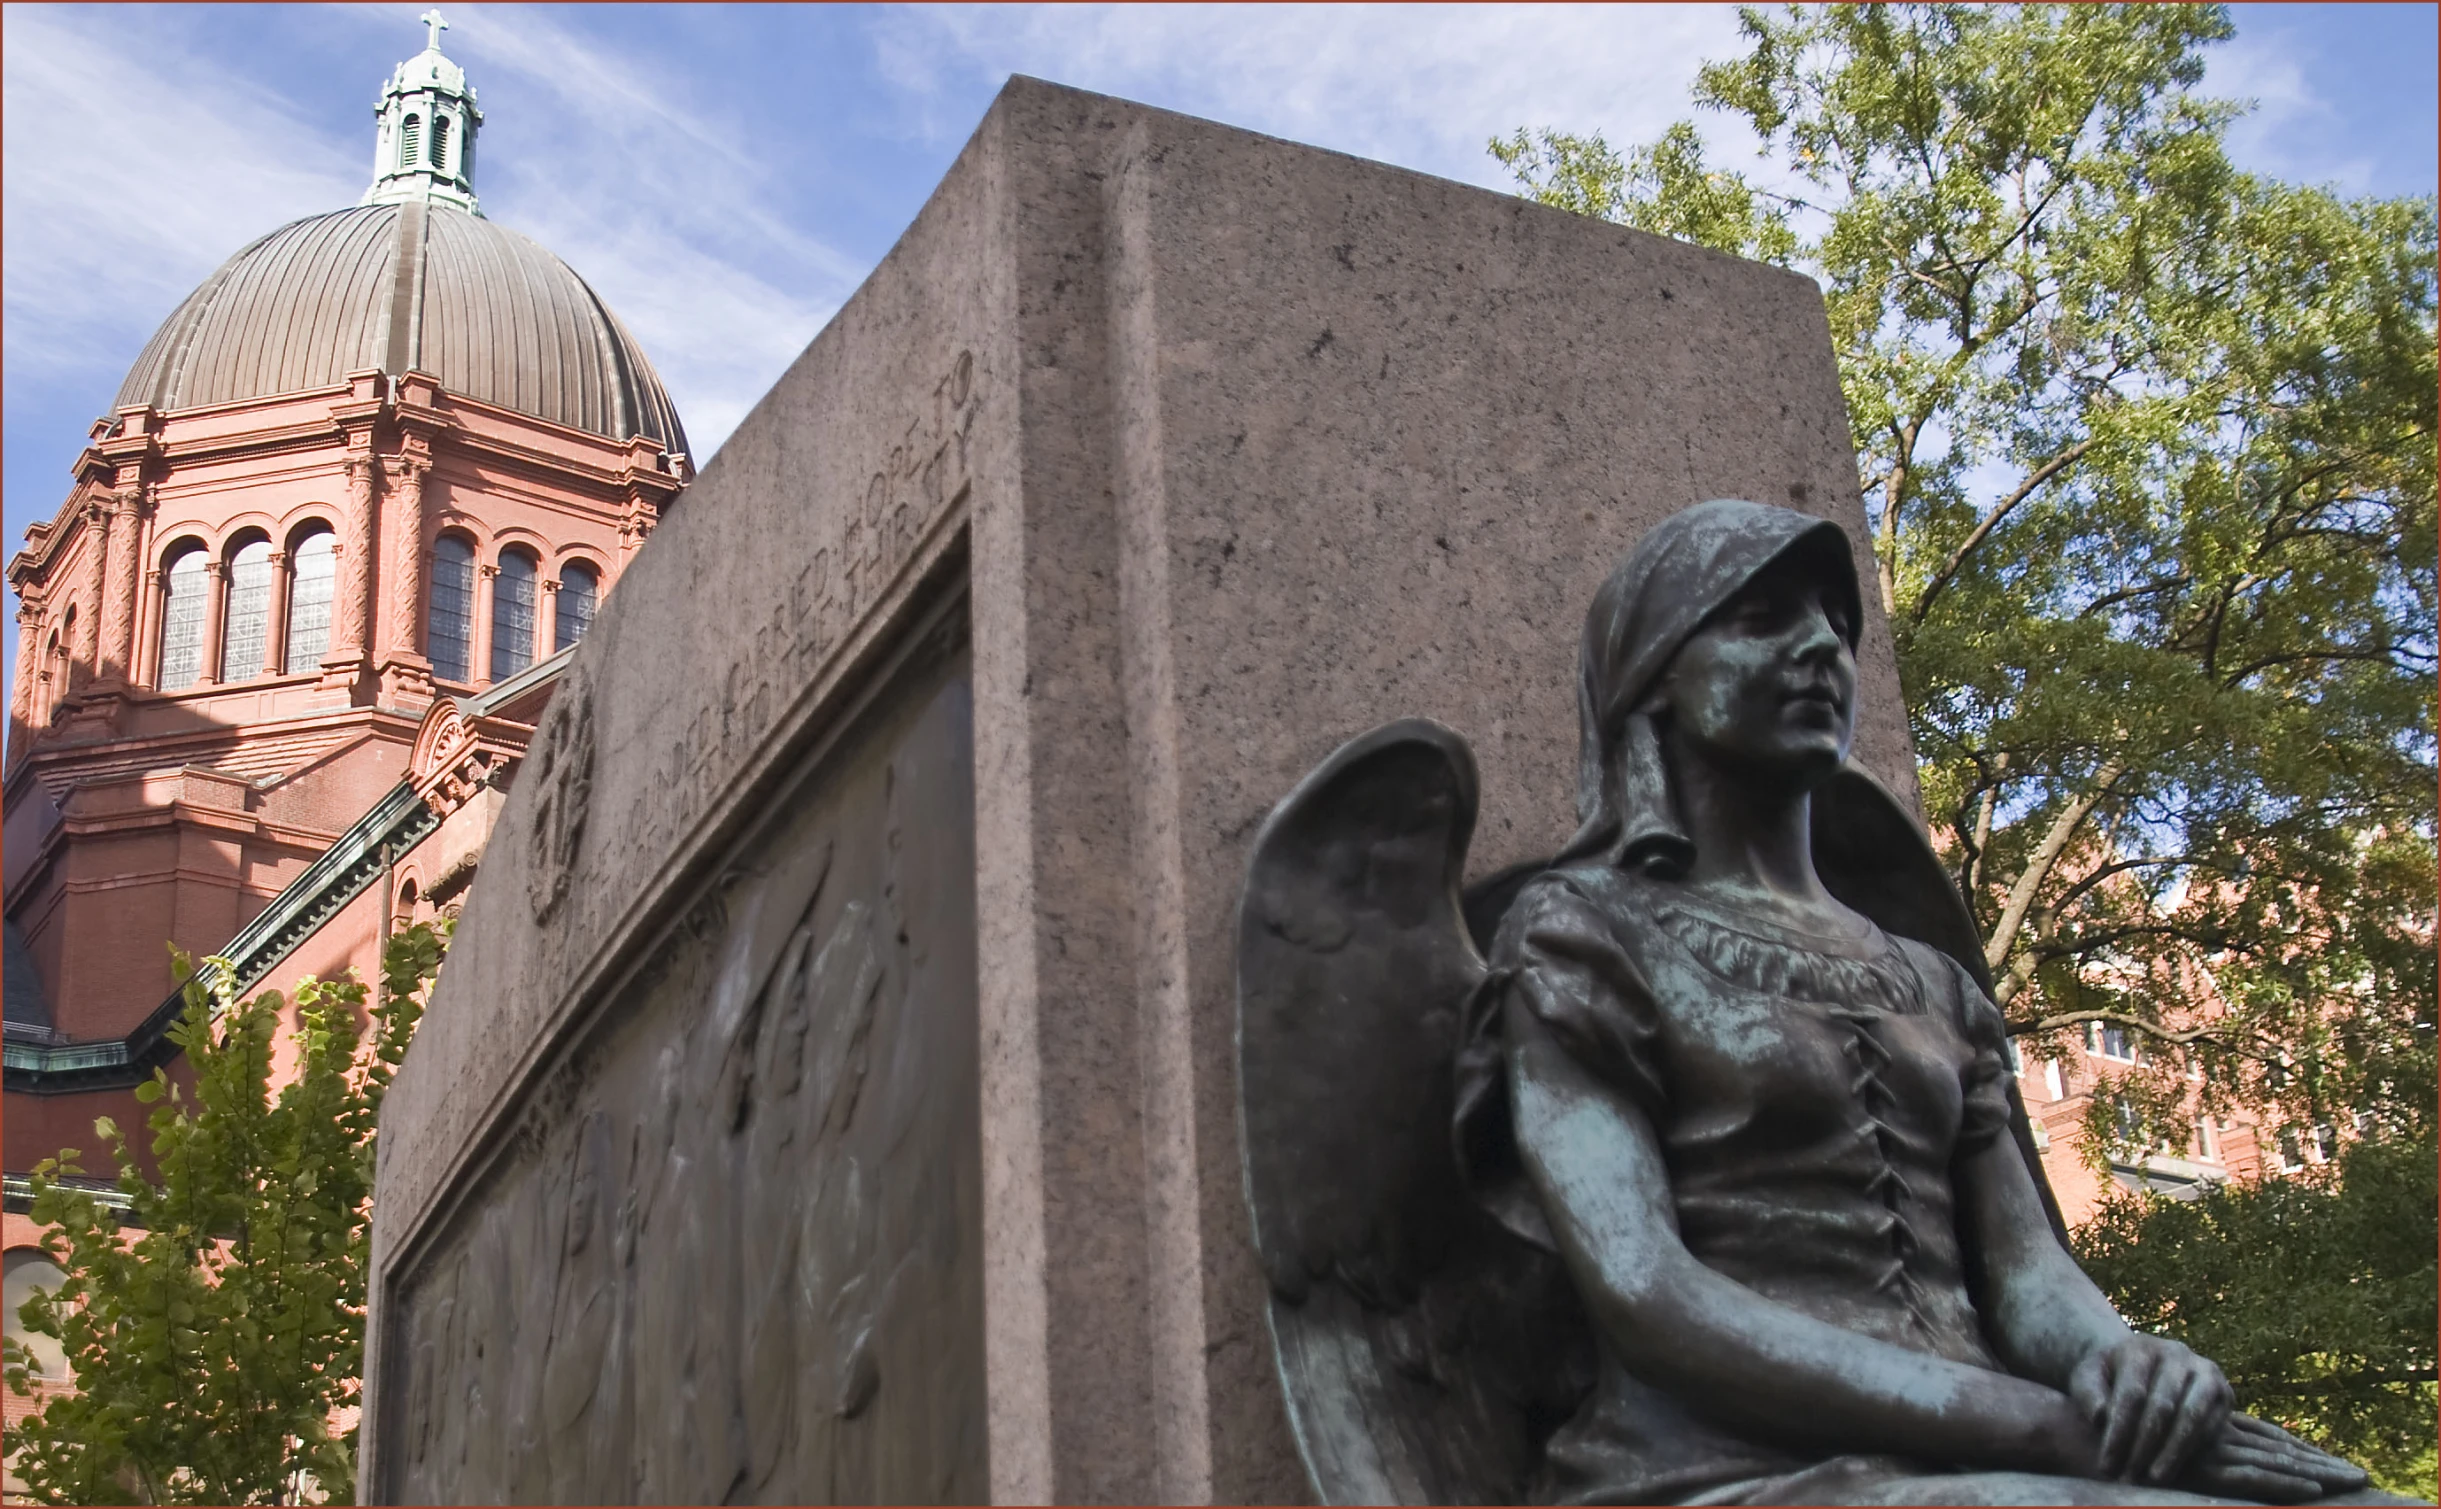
(412, 279)
(419, 284)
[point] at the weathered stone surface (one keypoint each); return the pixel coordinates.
(1235, 448)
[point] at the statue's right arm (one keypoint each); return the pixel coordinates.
(1781, 1376)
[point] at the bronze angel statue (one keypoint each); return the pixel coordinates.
(1686, 1167)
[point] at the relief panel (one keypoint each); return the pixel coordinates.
(731, 1252)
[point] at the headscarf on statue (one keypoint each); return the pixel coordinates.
(1868, 849)
(1685, 569)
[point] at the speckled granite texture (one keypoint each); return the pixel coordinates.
(1238, 448)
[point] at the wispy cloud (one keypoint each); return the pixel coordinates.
(130, 171)
(1422, 86)
(2288, 134)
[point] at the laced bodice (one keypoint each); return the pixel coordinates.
(1809, 1095)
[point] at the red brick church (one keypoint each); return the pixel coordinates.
(284, 641)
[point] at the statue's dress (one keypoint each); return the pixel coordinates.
(1810, 1096)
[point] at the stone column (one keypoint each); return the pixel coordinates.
(352, 609)
(21, 691)
(275, 625)
(479, 635)
(407, 555)
(148, 643)
(546, 615)
(215, 612)
(118, 632)
(85, 654)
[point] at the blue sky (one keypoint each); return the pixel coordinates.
(724, 176)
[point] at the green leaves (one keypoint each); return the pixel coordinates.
(2316, 1294)
(217, 1335)
(2149, 457)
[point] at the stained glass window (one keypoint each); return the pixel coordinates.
(513, 615)
(247, 630)
(313, 572)
(449, 624)
(579, 589)
(182, 621)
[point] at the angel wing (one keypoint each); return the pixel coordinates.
(1425, 1352)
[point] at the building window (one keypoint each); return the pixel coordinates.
(512, 615)
(2052, 1081)
(449, 624)
(410, 141)
(182, 621)
(248, 628)
(2110, 1040)
(2326, 1142)
(313, 577)
(440, 143)
(579, 590)
(30, 1272)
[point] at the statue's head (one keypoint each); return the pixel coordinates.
(1731, 625)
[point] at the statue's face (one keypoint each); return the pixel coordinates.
(1767, 687)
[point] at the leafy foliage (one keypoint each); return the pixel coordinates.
(215, 1344)
(2150, 456)
(2343, 1257)
(2150, 444)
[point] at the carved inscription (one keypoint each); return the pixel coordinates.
(563, 766)
(732, 1254)
(834, 590)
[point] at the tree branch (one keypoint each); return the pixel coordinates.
(1886, 549)
(2209, 1033)
(2038, 870)
(1991, 521)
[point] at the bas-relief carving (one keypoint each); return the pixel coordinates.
(731, 1253)
(1685, 1166)
(562, 765)
(924, 476)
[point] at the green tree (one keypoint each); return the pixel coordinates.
(213, 1344)
(2344, 1253)
(2149, 449)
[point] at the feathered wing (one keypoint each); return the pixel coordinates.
(1872, 856)
(1419, 1344)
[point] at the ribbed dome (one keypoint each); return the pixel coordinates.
(419, 285)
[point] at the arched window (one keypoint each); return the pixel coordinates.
(54, 678)
(579, 590)
(184, 584)
(513, 615)
(411, 141)
(449, 624)
(312, 577)
(27, 1273)
(247, 627)
(440, 143)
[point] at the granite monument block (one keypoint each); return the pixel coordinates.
(832, 1091)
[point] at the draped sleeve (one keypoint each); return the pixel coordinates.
(1558, 957)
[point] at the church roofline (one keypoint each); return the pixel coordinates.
(402, 819)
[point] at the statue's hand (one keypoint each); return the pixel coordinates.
(2252, 1459)
(2155, 1403)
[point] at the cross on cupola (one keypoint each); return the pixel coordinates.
(424, 145)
